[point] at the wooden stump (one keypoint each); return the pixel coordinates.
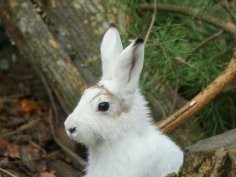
(212, 157)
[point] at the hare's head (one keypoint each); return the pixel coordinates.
(106, 110)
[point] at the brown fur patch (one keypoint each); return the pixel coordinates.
(123, 107)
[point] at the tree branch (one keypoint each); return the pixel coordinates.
(203, 98)
(7, 172)
(227, 26)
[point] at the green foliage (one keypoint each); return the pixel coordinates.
(171, 59)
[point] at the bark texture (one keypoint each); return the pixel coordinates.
(212, 157)
(34, 40)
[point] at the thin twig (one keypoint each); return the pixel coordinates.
(227, 9)
(78, 160)
(7, 172)
(152, 22)
(205, 41)
(227, 26)
(50, 94)
(217, 55)
(24, 127)
(73, 156)
(203, 98)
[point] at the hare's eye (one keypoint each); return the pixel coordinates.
(103, 106)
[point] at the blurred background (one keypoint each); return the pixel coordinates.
(49, 52)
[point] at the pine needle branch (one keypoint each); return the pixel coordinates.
(227, 26)
(231, 14)
(205, 41)
(203, 98)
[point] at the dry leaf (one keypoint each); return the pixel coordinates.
(47, 174)
(30, 153)
(3, 146)
(4, 143)
(12, 151)
(27, 107)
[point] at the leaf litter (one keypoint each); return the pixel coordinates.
(27, 148)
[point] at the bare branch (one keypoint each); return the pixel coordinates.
(7, 172)
(80, 163)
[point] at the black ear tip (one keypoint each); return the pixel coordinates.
(112, 25)
(138, 41)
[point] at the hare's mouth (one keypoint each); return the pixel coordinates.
(72, 133)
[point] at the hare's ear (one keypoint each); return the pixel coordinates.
(111, 48)
(129, 66)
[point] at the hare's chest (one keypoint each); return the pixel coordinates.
(113, 164)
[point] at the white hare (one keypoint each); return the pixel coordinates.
(112, 119)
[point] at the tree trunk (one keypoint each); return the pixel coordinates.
(212, 157)
(34, 40)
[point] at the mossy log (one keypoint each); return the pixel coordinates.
(212, 157)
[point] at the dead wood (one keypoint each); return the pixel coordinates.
(213, 157)
(7, 172)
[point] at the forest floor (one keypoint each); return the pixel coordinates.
(27, 147)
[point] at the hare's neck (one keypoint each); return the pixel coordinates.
(138, 125)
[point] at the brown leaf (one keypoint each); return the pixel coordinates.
(47, 174)
(4, 143)
(3, 146)
(29, 106)
(30, 153)
(26, 106)
(12, 151)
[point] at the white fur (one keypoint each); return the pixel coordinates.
(122, 142)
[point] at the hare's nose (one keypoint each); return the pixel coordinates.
(72, 129)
